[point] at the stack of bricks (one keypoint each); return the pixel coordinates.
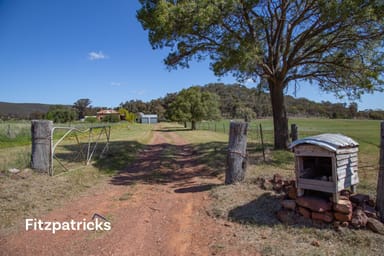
(351, 210)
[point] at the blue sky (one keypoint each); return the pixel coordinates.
(58, 51)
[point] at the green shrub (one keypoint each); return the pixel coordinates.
(91, 119)
(111, 118)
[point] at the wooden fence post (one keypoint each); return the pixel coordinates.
(294, 134)
(41, 145)
(380, 181)
(237, 153)
(262, 141)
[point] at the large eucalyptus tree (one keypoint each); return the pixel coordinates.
(335, 44)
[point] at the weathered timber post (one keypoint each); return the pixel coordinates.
(294, 134)
(262, 141)
(380, 181)
(41, 145)
(237, 153)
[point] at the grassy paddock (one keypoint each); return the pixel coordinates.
(254, 208)
(14, 133)
(365, 132)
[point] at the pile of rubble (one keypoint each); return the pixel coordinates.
(351, 210)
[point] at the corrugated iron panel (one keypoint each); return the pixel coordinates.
(329, 141)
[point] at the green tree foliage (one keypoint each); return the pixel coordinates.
(61, 114)
(193, 105)
(157, 106)
(36, 115)
(126, 115)
(234, 98)
(336, 44)
(82, 106)
(135, 106)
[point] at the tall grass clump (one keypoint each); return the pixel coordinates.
(14, 134)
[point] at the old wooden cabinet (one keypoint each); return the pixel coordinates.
(326, 163)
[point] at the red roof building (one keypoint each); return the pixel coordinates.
(104, 112)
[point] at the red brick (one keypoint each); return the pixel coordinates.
(305, 212)
(314, 204)
(343, 206)
(323, 216)
(342, 217)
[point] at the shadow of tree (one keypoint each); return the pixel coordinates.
(132, 162)
(119, 155)
(261, 211)
(167, 163)
(173, 129)
(195, 189)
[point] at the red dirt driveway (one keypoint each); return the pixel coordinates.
(156, 206)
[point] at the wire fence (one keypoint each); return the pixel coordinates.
(255, 130)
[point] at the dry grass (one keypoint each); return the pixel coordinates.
(253, 210)
(30, 194)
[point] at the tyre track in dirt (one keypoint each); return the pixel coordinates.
(163, 210)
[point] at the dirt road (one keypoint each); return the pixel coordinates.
(156, 206)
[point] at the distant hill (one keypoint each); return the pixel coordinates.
(22, 110)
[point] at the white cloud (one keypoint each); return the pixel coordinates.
(115, 83)
(97, 55)
(139, 92)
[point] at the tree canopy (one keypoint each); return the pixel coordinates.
(61, 114)
(336, 44)
(81, 106)
(193, 105)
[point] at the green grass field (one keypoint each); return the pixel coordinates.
(365, 132)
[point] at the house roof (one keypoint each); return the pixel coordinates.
(329, 141)
(107, 111)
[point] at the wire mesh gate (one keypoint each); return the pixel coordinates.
(81, 145)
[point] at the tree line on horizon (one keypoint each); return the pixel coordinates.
(237, 101)
(234, 101)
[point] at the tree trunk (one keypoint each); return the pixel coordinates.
(380, 181)
(41, 145)
(280, 120)
(193, 124)
(237, 153)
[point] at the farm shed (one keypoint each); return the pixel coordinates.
(147, 118)
(326, 163)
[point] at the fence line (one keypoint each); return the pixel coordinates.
(223, 127)
(253, 130)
